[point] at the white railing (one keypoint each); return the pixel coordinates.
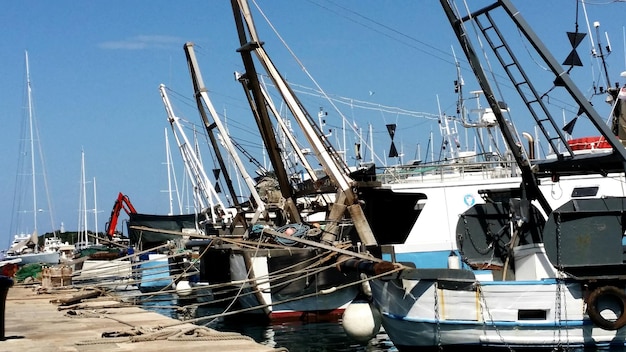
(447, 171)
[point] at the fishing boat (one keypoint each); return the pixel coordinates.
(281, 267)
(521, 270)
(26, 246)
(429, 195)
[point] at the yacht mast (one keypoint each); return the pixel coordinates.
(83, 191)
(169, 179)
(32, 144)
(95, 211)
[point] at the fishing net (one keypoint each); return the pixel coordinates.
(29, 270)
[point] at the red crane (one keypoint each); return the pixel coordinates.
(122, 202)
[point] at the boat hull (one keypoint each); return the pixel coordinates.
(114, 271)
(146, 239)
(278, 284)
(537, 314)
(51, 258)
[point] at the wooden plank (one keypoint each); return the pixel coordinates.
(79, 297)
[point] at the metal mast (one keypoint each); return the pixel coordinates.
(331, 162)
(201, 92)
(204, 191)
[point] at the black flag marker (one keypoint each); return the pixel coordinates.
(391, 128)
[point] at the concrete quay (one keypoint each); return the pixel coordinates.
(59, 320)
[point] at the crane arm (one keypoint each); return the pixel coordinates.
(122, 202)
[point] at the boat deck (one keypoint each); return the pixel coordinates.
(37, 321)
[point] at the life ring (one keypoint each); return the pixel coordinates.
(594, 313)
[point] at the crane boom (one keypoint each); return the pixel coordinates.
(122, 202)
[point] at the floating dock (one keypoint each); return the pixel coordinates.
(69, 320)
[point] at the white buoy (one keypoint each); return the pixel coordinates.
(361, 321)
(183, 288)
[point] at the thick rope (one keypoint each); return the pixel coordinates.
(337, 288)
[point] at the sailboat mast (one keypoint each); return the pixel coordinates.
(169, 179)
(95, 211)
(84, 198)
(32, 143)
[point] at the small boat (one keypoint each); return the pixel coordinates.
(144, 255)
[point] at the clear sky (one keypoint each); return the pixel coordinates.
(96, 66)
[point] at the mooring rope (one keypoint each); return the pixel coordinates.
(298, 276)
(337, 288)
(267, 279)
(272, 277)
(313, 266)
(134, 335)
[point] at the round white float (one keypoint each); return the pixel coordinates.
(361, 321)
(183, 288)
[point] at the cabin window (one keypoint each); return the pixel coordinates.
(532, 314)
(585, 192)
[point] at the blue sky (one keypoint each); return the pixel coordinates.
(96, 67)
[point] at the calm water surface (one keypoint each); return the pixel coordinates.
(306, 337)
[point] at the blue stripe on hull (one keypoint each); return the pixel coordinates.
(519, 323)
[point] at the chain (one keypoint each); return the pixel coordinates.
(561, 303)
(561, 309)
(559, 265)
(557, 312)
(483, 308)
(469, 236)
(439, 344)
(558, 279)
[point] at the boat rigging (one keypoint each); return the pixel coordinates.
(332, 163)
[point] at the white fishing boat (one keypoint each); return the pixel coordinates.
(433, 195)
(514, 266)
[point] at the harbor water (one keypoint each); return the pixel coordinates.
(305, 337)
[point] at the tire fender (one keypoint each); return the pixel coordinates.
(594, 313)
